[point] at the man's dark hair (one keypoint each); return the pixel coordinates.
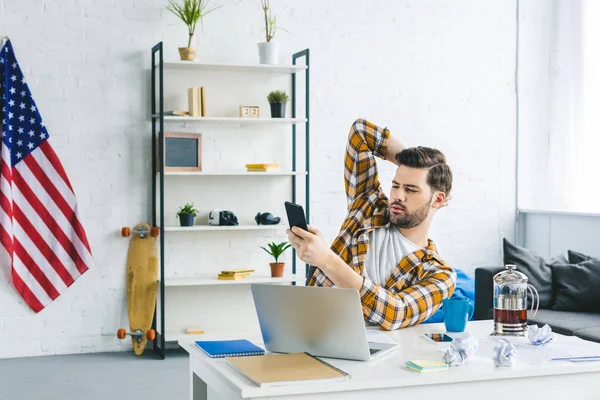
(440, 174)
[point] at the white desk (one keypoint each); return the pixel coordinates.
(479, 378)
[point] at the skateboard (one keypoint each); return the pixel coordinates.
(142, 282)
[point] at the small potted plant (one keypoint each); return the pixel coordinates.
(278, 99)
(186, 214)
(276, 250)
(268, 51)
(190, 12)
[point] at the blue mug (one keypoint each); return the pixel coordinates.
(457, 311)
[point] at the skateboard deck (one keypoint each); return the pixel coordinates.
(142, 284)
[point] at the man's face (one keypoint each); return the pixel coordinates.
(410, 197)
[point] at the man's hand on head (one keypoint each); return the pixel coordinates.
(310, 246)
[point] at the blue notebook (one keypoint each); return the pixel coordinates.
(229, 348)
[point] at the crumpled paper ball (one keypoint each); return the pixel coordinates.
(460, 350)
(540, 336)
(505, 354)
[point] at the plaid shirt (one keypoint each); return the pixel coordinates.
(416, 287)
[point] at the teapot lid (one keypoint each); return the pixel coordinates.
(510, 275)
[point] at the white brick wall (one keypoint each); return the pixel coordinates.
(436, 73)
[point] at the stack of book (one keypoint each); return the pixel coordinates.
(234, 274)
(197, 101)
(262, 167)
(426, 365)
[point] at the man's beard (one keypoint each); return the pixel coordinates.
(410, 219)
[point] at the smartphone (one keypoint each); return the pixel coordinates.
(295, 214)
(438, 337)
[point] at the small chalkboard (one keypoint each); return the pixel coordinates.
(183, 151)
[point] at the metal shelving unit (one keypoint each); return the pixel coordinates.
(158, 119)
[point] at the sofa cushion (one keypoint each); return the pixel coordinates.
(535, 267)
(576, 258)
(576, 287)
(566, 322)
(592, 334)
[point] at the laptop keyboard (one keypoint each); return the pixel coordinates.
(373, 351)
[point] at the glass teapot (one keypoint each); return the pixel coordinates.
(510, 302)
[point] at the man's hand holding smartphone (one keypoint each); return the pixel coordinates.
(309, 243)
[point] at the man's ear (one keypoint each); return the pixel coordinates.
(439, 199)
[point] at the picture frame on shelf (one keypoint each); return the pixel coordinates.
(249, 111)
(182, 152)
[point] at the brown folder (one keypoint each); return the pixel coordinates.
(286, 369)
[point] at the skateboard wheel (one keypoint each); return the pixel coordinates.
(150, 334)
(154, 231)
(121, 333)
(125, 232)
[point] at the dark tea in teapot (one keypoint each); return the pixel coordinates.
(510, 302)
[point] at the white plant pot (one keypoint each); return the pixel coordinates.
(268, 52)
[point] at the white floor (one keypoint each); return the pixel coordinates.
(96, 376)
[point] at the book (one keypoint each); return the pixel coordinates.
(236, 271)
(263, 165)
(193, 102)
(202, 97)
(270, 169)
(234, 277)
(426, 365)
(229, 348)
(286, 369)
(176, 112)
(194, 331)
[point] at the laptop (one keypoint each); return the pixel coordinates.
(324, 322)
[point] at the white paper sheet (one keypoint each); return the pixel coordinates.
(375, 335)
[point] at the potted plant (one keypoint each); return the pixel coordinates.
(277, 99)
(186, 214)
(268, 51)
(276, 250)
(190, 12)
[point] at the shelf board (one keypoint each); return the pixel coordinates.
(211, 280)
(222, 228)
(236, 120)
(260, 68)
(236, 173)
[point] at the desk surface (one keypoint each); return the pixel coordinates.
(389, 370)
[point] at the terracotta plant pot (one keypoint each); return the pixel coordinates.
(277, 270)
(187, 53)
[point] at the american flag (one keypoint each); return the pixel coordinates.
(39, 223)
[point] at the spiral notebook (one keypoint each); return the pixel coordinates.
(229, 348)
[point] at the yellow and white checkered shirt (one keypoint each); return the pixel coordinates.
(416, 287)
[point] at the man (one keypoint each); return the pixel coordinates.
(382, 249)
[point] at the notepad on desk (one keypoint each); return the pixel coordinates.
(287, 369)
(229, 348)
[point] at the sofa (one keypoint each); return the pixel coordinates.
(568, 286)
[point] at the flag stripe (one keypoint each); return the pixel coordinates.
(41, 204)
(35, 271)
(30, 282)
(55, 164)
(24, 290)
(33, 235)
(67, 222)
(57, 196)
(61, 278)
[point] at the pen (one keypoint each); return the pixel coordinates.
(581, 358)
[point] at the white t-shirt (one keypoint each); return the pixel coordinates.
(387, 246)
